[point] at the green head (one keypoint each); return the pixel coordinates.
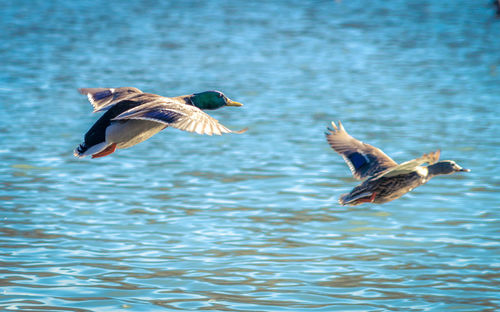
(212, 100)
(445, 167)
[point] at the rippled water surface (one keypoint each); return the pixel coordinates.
(250, 222)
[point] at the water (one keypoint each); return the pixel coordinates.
(250, 222)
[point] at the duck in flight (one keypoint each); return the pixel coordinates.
(132, 116)
(384, 179)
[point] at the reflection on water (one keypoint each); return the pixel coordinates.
(249, 222)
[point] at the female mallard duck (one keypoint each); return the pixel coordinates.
(133, 116)
(385, 179)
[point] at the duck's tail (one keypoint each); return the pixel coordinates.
(353, 200)
(80, 150)
(83, 149)
(343, 198)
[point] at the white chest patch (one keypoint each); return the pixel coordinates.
(423, 171)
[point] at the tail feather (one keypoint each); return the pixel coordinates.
(342, 199)
(80, 150)
(83, 150)
(353, 200)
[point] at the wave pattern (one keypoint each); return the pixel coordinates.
(251, 222)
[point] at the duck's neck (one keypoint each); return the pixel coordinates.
(434, 170)
(185, 99)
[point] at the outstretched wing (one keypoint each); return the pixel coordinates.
(103, 98)
(181, 116)
(409, 166)
(363, 159)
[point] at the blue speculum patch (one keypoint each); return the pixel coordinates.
(357, 160)
(166, 116)
(101, 95)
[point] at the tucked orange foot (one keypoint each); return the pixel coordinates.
(368, 199)
(105, 152)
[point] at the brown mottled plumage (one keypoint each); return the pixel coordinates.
(385, 179)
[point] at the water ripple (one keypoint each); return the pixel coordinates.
(250, 222)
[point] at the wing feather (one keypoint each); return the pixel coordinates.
(363, 160)
(103, 98)
(178, 115)
(409, 166)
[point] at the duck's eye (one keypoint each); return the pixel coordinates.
(221, 95)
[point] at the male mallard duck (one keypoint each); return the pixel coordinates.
(385, 179)
(133, 116)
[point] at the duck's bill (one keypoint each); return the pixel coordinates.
(234, 103)
(464, 170)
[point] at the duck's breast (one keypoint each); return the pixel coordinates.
(131, 132)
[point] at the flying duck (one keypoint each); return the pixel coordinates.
(132, 116)
(384, 179)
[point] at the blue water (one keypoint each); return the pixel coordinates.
(250, 222)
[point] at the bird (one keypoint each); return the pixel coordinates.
(384, 179)
(132, 116)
